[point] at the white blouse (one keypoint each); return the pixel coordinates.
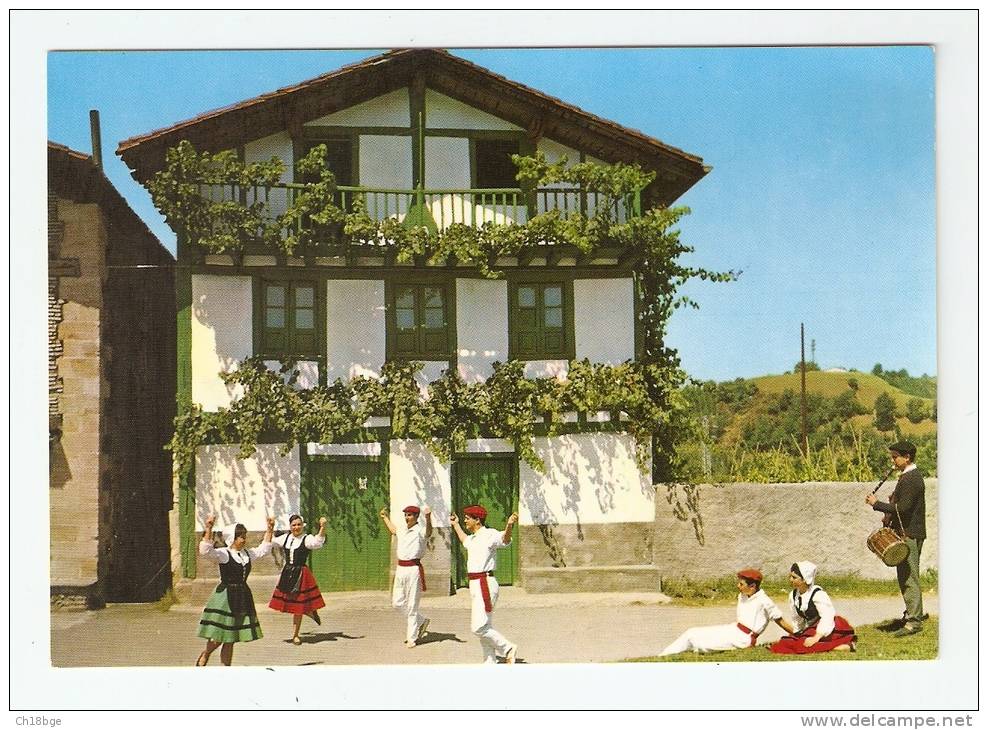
(824, 606)
(225, 554)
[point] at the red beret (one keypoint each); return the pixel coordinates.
(411, 510)
(476, 511)
(751, 574)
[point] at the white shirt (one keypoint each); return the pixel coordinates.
(756, 611)
(482, 547)
(225, 555)
(411, 543)
(823, 605)
(290, 543)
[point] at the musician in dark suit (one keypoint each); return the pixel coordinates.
(905, 512)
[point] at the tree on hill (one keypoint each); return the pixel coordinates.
(884, 412)
(923, 386)
(810, 365)
(852, 383)
(916, 410)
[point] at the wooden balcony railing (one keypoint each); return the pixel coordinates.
(438, 209)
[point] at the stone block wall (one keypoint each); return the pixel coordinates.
(771, 526)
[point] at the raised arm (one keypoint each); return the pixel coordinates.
(509, 527)
(387, 521)
(265, 547)
(314, 542)
(428, 520)
(454, 522)
(206, 547)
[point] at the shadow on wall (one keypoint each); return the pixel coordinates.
(228, 340)
(427, 484)
(685, 501)
(248, 495)
(577, 467)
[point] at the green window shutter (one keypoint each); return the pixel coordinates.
(527, 335)
(275, 323)
(304, 319)
(405, 322)
(553, 323)
(433, 342)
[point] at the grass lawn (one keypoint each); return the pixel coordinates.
(688, 592)
(872, 644)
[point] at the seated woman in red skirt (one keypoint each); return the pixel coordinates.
(297, 592)
(816, 623)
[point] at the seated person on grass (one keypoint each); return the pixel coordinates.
(818, 627)
(755, 610)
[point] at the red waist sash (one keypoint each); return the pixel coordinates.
(485, 591)
(409, 563)
(745, 629)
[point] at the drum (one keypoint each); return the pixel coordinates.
(888, 546)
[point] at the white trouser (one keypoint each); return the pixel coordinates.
(405, 597)
(709, 638)
(492, 643)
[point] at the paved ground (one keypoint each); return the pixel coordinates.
(361, 628)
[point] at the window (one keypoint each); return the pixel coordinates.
(541, 324)
(418, 323)
(494, 168)
(339, 160)
(289, 317)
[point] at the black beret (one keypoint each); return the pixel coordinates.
(904, 447)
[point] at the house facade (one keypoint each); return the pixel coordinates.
(111, 299)
(423, 137)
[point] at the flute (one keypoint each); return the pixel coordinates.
(884, 478)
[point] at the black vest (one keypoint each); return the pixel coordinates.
(810, 615)
(298, 556)
(233, 573)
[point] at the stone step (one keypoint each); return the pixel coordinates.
(609, 578)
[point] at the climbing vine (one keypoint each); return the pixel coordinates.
(507, 405)
(205, 197)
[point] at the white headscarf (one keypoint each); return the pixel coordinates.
(229, 534)
(807, 570)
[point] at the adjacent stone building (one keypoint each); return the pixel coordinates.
(111, 375)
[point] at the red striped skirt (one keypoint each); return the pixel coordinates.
(843, 633)
(307, 599)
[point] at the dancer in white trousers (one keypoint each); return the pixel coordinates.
(482, 544)
(410, 575)
(755, 610)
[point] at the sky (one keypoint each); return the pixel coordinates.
(822, 192)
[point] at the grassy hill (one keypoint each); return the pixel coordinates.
(833, 384)
(755, 427)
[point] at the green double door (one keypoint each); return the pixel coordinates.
(491, 482)
(350, 494)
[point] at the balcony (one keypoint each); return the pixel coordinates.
(435, 209)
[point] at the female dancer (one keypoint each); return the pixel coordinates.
(817, 627)
(297, 592)
(229, 615)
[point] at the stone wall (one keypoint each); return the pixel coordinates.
(771, 526)
(76, 463)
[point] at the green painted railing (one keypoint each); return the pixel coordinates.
(438, 209)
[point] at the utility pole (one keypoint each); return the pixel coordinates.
(802, 359)
(813, 351)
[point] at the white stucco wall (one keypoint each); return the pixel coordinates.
(554, 151)
(604, 320)
(589, 479)
(418, 477)
(355, 337)
(481, 327)
(431, 371)
(547, 369)
(388, 110)
(262, 150)
(246, 490)
(308, 372)
(386, 162)
(222, 335)
(442, 112)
